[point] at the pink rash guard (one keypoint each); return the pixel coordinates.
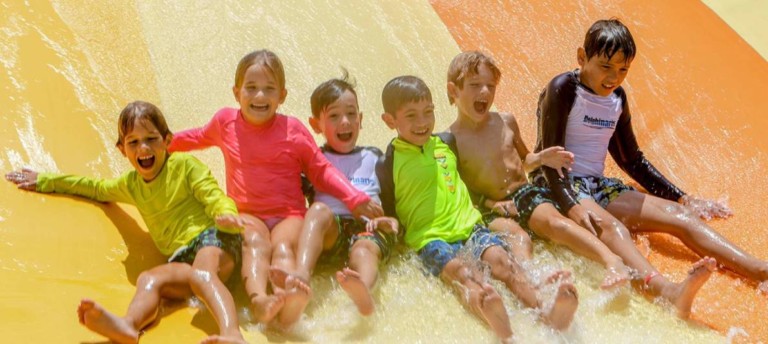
(264, 163)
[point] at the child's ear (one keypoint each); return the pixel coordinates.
(236, 93)
(119, 146)
(388, 119)
(168, 139)
(315, 124)
(581, 56)
(283, 95)
(453, 90)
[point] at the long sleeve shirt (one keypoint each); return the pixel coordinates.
(264, 163)
(177, 205)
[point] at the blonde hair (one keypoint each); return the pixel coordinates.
(466, 64)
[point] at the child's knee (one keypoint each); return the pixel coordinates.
(364, 248)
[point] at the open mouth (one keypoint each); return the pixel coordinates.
(481, 106)
(146, 161)
(344, 137)
(420, 132)
(264, 107)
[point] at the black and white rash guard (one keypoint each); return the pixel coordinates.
(571, 115)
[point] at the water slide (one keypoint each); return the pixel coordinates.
(68, 68)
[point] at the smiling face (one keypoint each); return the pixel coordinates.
(414, 121)
(339, 122)
(259, 94)
(475, 98)
(145, 148)
(601, 74)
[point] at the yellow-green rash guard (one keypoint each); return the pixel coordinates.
(430, 199)
(176, 206)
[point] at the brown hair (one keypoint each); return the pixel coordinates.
(140, 110)
(264, 58)
(465, 64)
(330, 91)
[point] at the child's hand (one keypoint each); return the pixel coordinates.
(368, 209)
(505, 208)
(232, 221)
(558, 158)
(25, 179)
(586, 219)
(384, 223)
(708, 209)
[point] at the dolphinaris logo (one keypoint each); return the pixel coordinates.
(599, 123)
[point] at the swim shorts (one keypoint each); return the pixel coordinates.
(229, 243)
(601, 189)
(350, 231)
(436, 254)
(527, 197)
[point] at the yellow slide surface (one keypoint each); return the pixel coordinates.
(67, 69)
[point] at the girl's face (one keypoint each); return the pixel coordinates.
(259, 95)
(339, 122)
(146, 149)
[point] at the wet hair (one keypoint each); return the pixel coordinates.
(264, 58)
(330, 91)
(403, 90)
(608, 37)
(146, 113)
(466, 64)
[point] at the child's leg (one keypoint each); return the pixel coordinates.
(319, 234)
(518, 240)
(503, 268)
(211, 266)
(547, 221)
(617, 238)
(165, 281)
(257, 253)
(479, 297)
(358, 280)
(643, 213)
(285, 237)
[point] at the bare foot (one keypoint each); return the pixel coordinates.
(493, 312)
(616, 275)
(297, 295)
(216, 339)
(278, 276)
(558, 276)
(350, 281)
(265, 307)
(99, 320)
(682, 294)
(561, 313)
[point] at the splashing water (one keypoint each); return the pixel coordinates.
(708, 209)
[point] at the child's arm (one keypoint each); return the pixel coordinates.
(554, 157)
(625, 151)
(217, 205)
(110, 190)
(198, 138)
(554, 107)
(627, 154)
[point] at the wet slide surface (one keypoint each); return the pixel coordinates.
(66, 70)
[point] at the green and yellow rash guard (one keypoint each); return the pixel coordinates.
(426, 193)
(176, 206)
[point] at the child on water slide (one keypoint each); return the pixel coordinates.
(330, 231)
(188, 217)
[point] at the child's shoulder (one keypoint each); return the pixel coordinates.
(567, 79)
